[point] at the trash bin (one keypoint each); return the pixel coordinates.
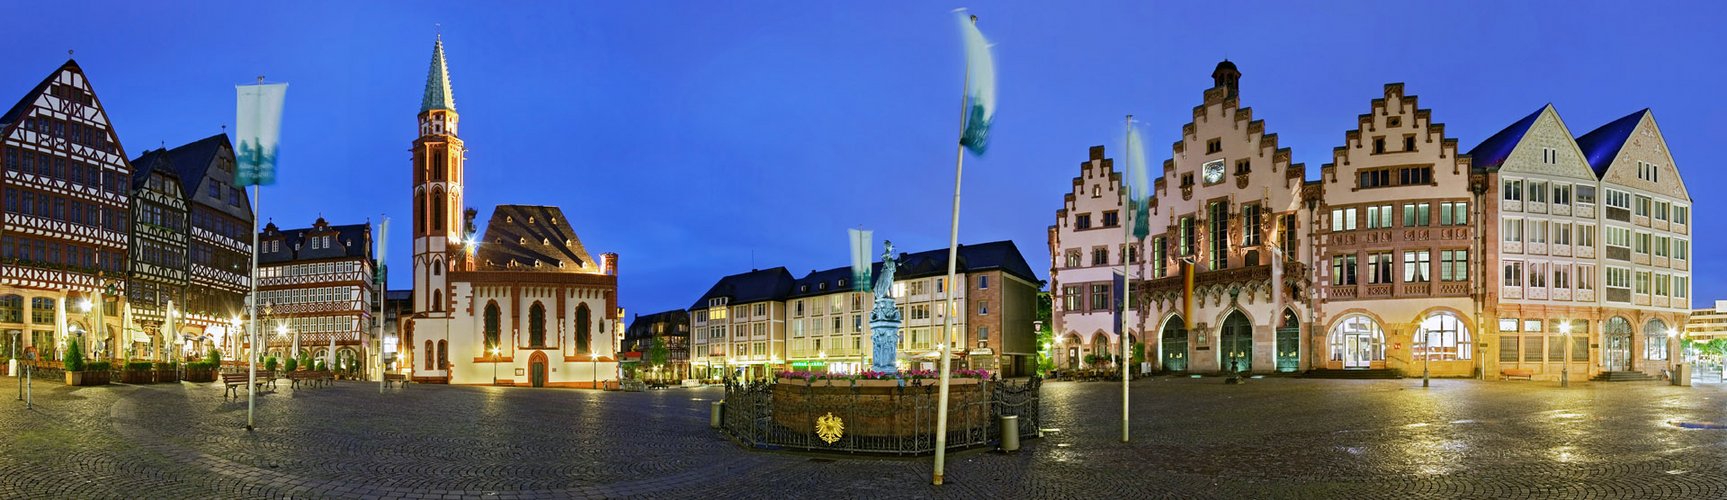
(715, 411)
(1682, 375)
(1010, 433)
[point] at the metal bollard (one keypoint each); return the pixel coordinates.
(715, 411)
(1010, 433)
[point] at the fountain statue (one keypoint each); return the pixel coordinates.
(884, 320)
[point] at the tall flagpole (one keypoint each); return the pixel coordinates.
(378, 294)
(952, 261)
(1126, 279)
(252, 313)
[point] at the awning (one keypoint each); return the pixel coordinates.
(138, 336)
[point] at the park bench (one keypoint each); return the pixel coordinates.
(310, 378)
(390, 380)
(232, 382)
(1511, 373)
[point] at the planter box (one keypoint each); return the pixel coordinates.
(205, 375)
(167, 376)
(137, 377)
(87, 378)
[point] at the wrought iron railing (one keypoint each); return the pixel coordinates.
(898, 420)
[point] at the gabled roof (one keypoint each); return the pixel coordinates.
(532, 234)
(192, 160)
(152, 162)
(754, 286)
(29, 98)
(642, 326)
(1602, 144)
(438, 95)
(1491, 153)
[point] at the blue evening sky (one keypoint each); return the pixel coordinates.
(700, 139)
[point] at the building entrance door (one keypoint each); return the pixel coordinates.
(1237, 340)
(1174, 345)
(1289, 344)
(537, 369)
(1616, 348)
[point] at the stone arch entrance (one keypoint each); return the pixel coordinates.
(1289, 342)
(1236, 343)
(1616, 344)
(1173, 345)
(537, 369)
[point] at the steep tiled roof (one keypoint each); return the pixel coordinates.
(1602, 144)
(753, 286)
(352, 240)
(530, 235)
(150, 163)
(1491, 153)
(192, 160)
(642, 326)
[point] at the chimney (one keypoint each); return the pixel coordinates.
(609, 263)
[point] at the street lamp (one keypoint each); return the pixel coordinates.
(1426, 354)
(1565, 369)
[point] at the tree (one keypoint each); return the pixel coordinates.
(658, 354)
(1045, 334)
(74, 357)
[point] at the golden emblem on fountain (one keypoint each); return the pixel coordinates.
(830, 428)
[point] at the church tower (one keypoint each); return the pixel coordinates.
(437, 189)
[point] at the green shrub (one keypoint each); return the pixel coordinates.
(138, 366)
(291, 364)
(305, 362)
(270, 363)
(319, 365)
(98, 366)
(214, 358)
(74, 357)
(165, 367)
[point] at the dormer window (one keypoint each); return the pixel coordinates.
(569, 242)
(509, 219)
(842, 282)
(522, 240)
(545, 241)
(530, 219)
(821, 286)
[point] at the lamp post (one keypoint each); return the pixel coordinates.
(1426, 354)
(85, 306)
(494, 365)
(1565, 369)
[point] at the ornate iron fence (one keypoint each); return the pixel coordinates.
(843, 416)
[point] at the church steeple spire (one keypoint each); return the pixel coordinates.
(438, 95)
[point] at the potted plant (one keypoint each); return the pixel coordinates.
(74, 363)
(291, 364)
(97, 373)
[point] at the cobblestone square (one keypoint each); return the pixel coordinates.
(1269, 438)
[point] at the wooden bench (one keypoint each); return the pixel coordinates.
(232, 382)
(390, 380)
(1511, 373)
(310, 378)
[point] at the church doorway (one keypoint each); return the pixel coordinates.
(537, 369)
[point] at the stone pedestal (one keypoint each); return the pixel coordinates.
(884, 344)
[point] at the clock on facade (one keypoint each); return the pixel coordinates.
(1213, 171)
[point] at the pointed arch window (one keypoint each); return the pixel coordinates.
(492, 336)
(420, 204)
(438, 300)
(537, 325)
(429, 353)
(582, 328)
(443, 354)
(438, 208)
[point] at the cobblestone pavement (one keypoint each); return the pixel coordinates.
(1270, 438)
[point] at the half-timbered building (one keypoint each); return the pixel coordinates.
(157, 275)
(66, 218)
(219, 249)
(316, 292)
